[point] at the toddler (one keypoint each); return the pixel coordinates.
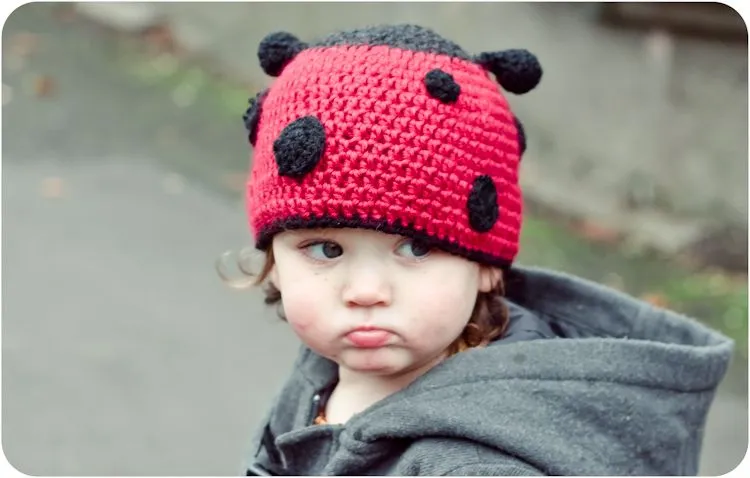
(384, 194)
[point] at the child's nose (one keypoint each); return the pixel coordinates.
(366, 289)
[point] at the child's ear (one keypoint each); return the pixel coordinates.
(273, 276)
(489, 278)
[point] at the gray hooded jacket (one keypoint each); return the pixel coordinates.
(587, 381)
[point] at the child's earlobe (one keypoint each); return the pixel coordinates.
(489, 277)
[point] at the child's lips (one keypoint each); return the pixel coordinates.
(369, 338)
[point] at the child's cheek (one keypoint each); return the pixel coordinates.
(311, 330)
(303, 317)
(300, 326)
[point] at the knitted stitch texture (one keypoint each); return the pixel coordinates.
(395, 139)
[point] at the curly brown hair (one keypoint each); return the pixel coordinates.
(488, 321)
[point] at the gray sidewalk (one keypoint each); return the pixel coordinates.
(123, 354)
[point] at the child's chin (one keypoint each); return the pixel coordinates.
(379, 362)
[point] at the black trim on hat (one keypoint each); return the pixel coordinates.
(403, 36)
(297, 222)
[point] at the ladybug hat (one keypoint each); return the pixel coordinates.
(390, 128)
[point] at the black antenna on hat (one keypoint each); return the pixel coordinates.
(251, 118)
(276, 50)
(518, 71)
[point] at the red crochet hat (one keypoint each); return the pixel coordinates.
(391, 128)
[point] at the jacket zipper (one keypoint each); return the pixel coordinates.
(315, 409)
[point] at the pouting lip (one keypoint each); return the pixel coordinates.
(360, 342)
(369, 328)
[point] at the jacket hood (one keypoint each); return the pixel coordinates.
(589, 381)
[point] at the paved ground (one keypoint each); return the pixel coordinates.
(122, 352)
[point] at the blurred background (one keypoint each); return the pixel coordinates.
(124, 157)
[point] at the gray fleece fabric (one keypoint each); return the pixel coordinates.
(588, 381)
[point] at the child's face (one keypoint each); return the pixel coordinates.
(335, 281)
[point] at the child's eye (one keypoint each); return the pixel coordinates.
(324, 250)
(414, 248)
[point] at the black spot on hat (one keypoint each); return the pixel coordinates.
(442, 86)
(300, 146)
(252, 115)
(482, 204)
(521, 136)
